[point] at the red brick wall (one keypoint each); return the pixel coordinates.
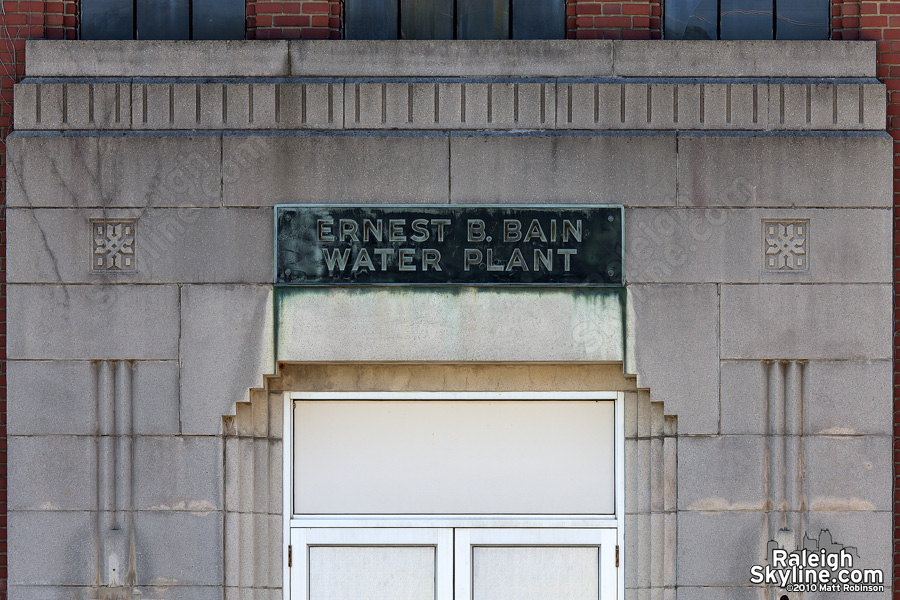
(614, 19)
(293, 20)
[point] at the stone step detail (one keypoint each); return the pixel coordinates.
(453, 105)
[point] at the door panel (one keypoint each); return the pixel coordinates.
(535, 564)
(371, 564)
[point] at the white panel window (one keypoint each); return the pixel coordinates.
(453, 496)
(454, 457)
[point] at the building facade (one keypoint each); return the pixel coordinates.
(269, 335)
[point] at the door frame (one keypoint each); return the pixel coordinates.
(614, 522)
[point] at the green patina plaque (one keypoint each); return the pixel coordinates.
(448, 245)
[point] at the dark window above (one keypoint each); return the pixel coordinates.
(747, 19)
(455, 19)
(162, 19)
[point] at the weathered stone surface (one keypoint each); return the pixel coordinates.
(742, 392)
(39, 539)
(222, 357)
(466, 325)
(717, 593)
(114, 171)
(178, 548)
(868, 532)
(635, 169)
(227, 245)
(726, 245)
(848, 397)
(130, 322)
(744, 58)
(722, 473)
(191, 479)
(851, 170)
(50, 397)
(849, 473)
(256, 58)
(471, 58)
(156, 398)
(262, 171)
(718, 548)
(673, 350)
(809, 321)
(52, 473)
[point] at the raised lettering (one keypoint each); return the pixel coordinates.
(541, 258)
(431, 258)
(333, 258)
(566, 254)
(384, 253)
(362, 260)
(575, 230)
(418, 225)
(395, 230)
(323, 230)
(348, 229)
(512, 230)
(535, 231)
(372, 227)
(490, 262)
(516, 261)
(441, 223)
(476, 230)
(473, 257)
(406, 259)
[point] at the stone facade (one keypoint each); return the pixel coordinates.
(753, 340)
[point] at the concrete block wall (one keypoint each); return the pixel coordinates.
(738, 354)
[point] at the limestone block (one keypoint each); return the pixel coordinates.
(848, 397)
(780, 58)
(114, 171)
(717, 593)
(471, 58)
(47, 592)
(72, 106)
(182, 592)
(722, 473)
(257, 58)
(743, 397)
(230, 245)
(868, 532)
(636, 169)
(191, 479)
(129, 322)
(672, 345)
(849, 473)
(718, 548)
(808, 321)
(729, 245)
(50, 397)
(52, 473)
(312, 105)
(178, 548)
(468, 325)
(222, 357)
(156, 398)
(41, 538)
(852, 170)
(262, 171)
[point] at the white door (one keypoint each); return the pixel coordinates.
(464, 496)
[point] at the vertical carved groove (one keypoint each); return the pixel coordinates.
(675, 104)
(437, 103)
(702, 103)
(596, 103)
(90, 103)
(303, 103)
(356, 104)
(862, 105)
(622, 103)
(409, 103)
(490, 103)
(277, 103)
(65, 103)
(383, 103)
(543, 103)
(834, 105)
(649, 104)
(808, 104)
(224, 103)
(330, 103)
(728, 103)
(250, 104)
(37, 103)
(198, 100)
(462, 103)
(171, 104)
(569, 103)
(515, 103)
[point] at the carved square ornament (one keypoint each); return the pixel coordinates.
(785, 245)
(113, 243)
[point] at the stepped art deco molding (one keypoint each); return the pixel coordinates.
(617, 103)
